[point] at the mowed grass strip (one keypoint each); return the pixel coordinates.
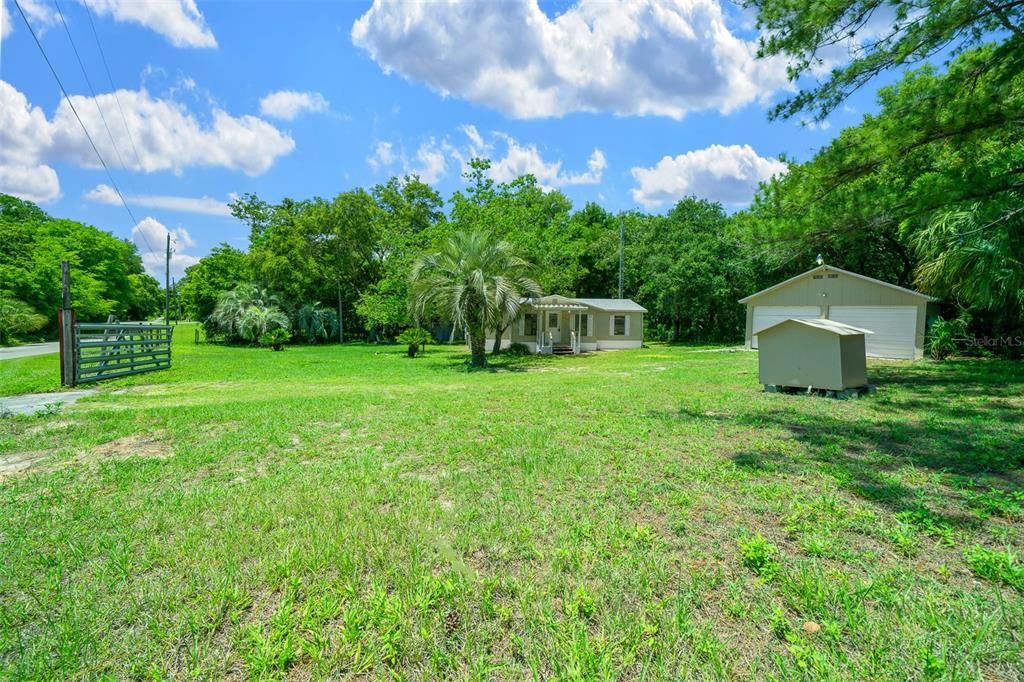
(344, 511)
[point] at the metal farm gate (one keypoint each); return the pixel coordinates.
(109, 350)
(92, 351)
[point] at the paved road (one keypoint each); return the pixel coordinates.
(28, 350)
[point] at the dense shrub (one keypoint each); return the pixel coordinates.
(943, 337)
(518, 349)
(416, 339)
(275, 338)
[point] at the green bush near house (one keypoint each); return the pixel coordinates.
(944, 337)
(518, 349)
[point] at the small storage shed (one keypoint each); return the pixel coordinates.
(897, 316)
(812, 353)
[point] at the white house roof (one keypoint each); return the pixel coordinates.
(611, 305)
(832, 268)
(832, 326)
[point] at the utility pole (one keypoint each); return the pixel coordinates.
(66, 328)
(167, 282)
(622, 253)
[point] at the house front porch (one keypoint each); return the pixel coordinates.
(559, 325)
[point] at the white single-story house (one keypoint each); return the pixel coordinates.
(897, 317)
(558, 324)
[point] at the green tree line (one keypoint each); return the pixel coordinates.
(354, 254)
(107, 273)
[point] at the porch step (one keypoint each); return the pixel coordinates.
(562, 350)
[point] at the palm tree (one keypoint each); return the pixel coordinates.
(476, 281)
(317, 321)
(234, 305)
(257, 321)
(975, 257)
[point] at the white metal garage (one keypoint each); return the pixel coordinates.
(893, 328)
(769, 315)
(898, 317)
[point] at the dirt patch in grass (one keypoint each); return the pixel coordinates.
(147, 446)
(21, 462)
(50, 427)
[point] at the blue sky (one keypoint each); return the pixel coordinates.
(629, 106)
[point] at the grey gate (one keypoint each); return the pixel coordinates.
(116, 349)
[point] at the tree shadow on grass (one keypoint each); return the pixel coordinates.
(506, 362)
(962, 420)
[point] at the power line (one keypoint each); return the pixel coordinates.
(88, 82)
(85, 130)
(113, 88)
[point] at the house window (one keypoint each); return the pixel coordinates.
(833, 276)
(584, 329)
(552, 320)
(619, 325)
(530, 324)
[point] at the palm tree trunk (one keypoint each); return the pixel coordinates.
(497, 340)
(478, 348)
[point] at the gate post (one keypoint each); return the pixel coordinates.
(66, 329)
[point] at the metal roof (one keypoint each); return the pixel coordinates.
(611, 305)
(819, 323)
(614, 305)
(832, 268)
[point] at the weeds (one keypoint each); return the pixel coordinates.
(339, 512)
(760, 556)
(997, 566)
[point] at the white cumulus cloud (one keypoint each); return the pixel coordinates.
(727, 174)
(33, 183)
(150, 237)
(287, 104)
(383, 155)
(527, 159)
(166, 135)
(5, 21)
(180, 21)
(662, 57)
(25, 135)
(105, 194)
(430, 164)
(433, 158)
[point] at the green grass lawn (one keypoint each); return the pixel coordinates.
(35, 374)
(346, 511)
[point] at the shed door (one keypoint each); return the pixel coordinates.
(894, 328)
(767, 315)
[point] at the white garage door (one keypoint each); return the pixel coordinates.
(894, 328)
(767, 315)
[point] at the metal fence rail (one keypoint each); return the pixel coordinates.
(113, 349)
